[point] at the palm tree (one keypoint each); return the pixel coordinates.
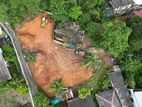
(57, 87)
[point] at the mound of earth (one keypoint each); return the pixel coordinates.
(53, 61)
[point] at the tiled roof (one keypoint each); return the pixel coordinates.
(108, 98)
(117, 82)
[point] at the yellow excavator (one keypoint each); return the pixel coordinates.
(44, 21)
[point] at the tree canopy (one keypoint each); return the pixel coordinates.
(15, 11)
(115, 37)
(59, 10)
(75, 12)
(135, 39)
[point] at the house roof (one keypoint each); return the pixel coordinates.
(138, 2)
(76, 102)
(108, 98)
(138, 13)
(2, 41)
(117, 82)
(120, 3)
(70, 33)
(4, 72)
(137, 97)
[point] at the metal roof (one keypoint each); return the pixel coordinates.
(4, 72)
(117, 82)
(76, 102)
(120, 3)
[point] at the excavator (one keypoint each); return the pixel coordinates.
(44, 21)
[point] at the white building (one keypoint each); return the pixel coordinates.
(138, 2)
(136, 97)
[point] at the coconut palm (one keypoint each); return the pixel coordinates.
(57, 87)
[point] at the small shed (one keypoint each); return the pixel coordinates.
(4, 72)
(70, 33)
(76, 102)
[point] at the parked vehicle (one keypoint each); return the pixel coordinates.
(80, 53)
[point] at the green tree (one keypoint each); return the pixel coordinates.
(94, 61)
(93, 31)
(3, 12)
(57, 87)
(115, 37)
(83, 92)
(59, 11)
(15, 11)
(135, 38)
(131, 68)
(10, 56)
(75, 12)
(41, 100)
(30, 56)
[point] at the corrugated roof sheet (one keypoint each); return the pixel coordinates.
(120, 3)
(4, 72)
(76, 102)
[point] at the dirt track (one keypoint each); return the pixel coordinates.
(52, 61)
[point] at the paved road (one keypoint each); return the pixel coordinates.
(24, 66)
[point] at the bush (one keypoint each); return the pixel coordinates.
(41, 100)
(83, 92)
(30, 56)
(57, 87)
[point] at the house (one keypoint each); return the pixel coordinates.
(117, 82)
(77, 102)
(4, 39)
(136, 96)
(120, 7)
(118, 96)
(108, 98)
(4, 72)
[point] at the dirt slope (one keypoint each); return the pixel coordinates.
(53, 61)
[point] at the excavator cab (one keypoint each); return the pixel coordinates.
(44, 21)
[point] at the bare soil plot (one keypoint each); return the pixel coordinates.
(52, 61)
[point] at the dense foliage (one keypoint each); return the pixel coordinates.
(131, 67)
(41, 100)
(135, 39)
(115, 37)
(59, 10)
(83, 92)
(15, 11)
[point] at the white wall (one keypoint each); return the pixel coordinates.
(138, 2)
